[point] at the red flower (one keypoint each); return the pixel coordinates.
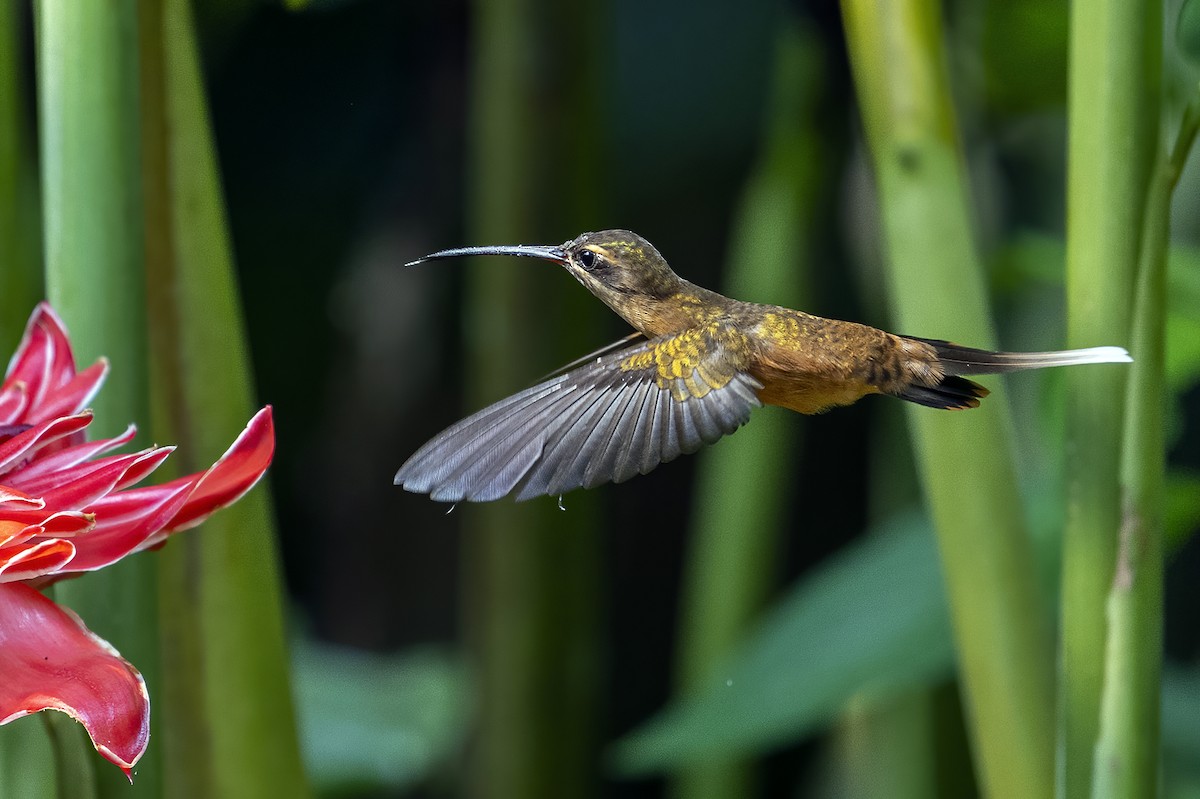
(66, 507)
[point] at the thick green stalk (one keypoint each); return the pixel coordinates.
(27, 766)
(73, 765)
(965, 459)
(531, 570)
(1113, 99)
(92, 208)
(1127, 752)
(743, 484)
(883, 748)
(20, 255)
(230, 727)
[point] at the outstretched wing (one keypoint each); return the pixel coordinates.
(618, 416)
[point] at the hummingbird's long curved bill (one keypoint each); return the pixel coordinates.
(556, 254)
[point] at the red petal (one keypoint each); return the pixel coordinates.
(74, 455)
(43, 361)
(79, 486)
(50, 661)
(19, 499)
(38, 559)
(14, 399)
(13, 533)
(26, 444)
(122, 528)
(232, 475)
(72, 397)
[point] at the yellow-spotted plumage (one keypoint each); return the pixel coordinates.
(702, 364)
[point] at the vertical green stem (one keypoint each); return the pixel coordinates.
(965, 459)
(883, 748)
(20, 276)
(88, 98)
(1115, 60)
(27, 767)
(230, 725)
(73, 764)
(1127, 752)
(742, 485)
(531, 569)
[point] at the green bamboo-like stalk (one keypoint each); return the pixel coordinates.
(882, 748)
(530, 569)
(1113, 99)
(230, 727)
(27, 767)
(20, 254)
(92, 206)
(1127, 752)
(743, 484)
(965, 459)
(75, 775)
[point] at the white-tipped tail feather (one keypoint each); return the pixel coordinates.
(955, 391)
(958, 360)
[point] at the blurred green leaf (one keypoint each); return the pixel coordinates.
(1034, 75)
(872, 620)
(376, 722)
(1181, 516)
(1187, 31)
(1181, 715)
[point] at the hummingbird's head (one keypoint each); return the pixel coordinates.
(619, 266)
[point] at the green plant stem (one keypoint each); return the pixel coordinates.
(742, 485)
(1127, 751)
(27, 767)
(230, 727)
(88, 99)
(883, 748)
(1113, 99)
(73, 764)
(531, 570)
(20, 278)
(965, 460)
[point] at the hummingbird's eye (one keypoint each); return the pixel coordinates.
(587, 259)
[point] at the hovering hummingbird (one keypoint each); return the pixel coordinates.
(697, 366)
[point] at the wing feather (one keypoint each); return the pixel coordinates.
(633, 437)
(606, 464)
(616, 416)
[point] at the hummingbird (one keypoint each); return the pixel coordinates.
(697, 364)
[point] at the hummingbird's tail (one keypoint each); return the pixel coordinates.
(954, 391)
(956, 360)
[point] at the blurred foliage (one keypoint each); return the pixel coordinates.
(378, 722)
(1187, 31)
(800, 667)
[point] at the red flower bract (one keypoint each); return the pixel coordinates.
(66, 506)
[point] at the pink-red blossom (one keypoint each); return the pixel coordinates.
(67, 505)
